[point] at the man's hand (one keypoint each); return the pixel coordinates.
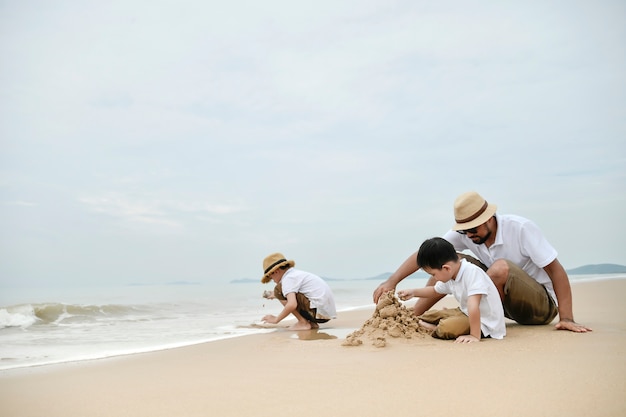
(572, 326)
(382, 289)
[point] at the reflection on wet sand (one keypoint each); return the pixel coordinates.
(321, 334)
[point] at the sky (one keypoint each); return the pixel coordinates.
(152, 141)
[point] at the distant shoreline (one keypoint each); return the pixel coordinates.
(591, 269)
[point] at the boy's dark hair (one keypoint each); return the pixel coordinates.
(435, 252)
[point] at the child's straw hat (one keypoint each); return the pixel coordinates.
(273, 262)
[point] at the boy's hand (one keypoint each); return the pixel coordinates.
(405, 295)
(466, 338)
(270, 319)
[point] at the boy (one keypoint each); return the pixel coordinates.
(480, 313)
(305, 295)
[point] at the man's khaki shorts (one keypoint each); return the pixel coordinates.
(525, 300)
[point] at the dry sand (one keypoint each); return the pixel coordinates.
(534, 371)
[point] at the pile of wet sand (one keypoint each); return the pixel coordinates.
(390, 318)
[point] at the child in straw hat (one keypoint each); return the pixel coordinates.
(304, 295)
(480, 313)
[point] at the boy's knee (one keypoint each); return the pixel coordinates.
(452, 327)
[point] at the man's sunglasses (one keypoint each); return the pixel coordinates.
(473, 230)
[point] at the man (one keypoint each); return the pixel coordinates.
(532, 283)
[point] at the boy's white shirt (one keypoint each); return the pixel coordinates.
(471, 280)
(313, 287)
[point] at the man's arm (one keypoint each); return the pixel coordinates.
(563, 292)
(407, 268)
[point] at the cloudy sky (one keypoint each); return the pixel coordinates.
(151, 141)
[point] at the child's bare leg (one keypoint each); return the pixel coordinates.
(426, 325)
(301, 324)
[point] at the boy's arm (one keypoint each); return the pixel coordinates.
(427, 292)
(473, 310)
(290, 307)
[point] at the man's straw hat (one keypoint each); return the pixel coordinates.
(273, 262)
(471, 210)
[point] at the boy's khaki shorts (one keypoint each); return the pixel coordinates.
(304, 305)
(451, 323)
(525, 300)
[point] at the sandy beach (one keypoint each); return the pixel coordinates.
(534, 371)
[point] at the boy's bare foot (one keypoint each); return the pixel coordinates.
(426, 325)
(314, 325)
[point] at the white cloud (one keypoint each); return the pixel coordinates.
(170, 214)
(19, 203)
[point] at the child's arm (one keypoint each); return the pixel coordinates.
(426, 292)
(290, 307)
(473, 310)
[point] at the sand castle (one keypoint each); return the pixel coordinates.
(391, 318)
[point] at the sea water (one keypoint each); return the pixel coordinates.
(45, 326)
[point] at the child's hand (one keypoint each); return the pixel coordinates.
(466, 338)
(405, 295)
(270, 319)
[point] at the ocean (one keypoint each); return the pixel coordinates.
(47, 326)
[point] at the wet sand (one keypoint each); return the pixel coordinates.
(534, 371)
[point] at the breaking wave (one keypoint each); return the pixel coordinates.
(26, 315)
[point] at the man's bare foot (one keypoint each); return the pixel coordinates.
(301, 326)
(314, 325)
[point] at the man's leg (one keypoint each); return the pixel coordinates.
(499, 274)
(524, 299)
